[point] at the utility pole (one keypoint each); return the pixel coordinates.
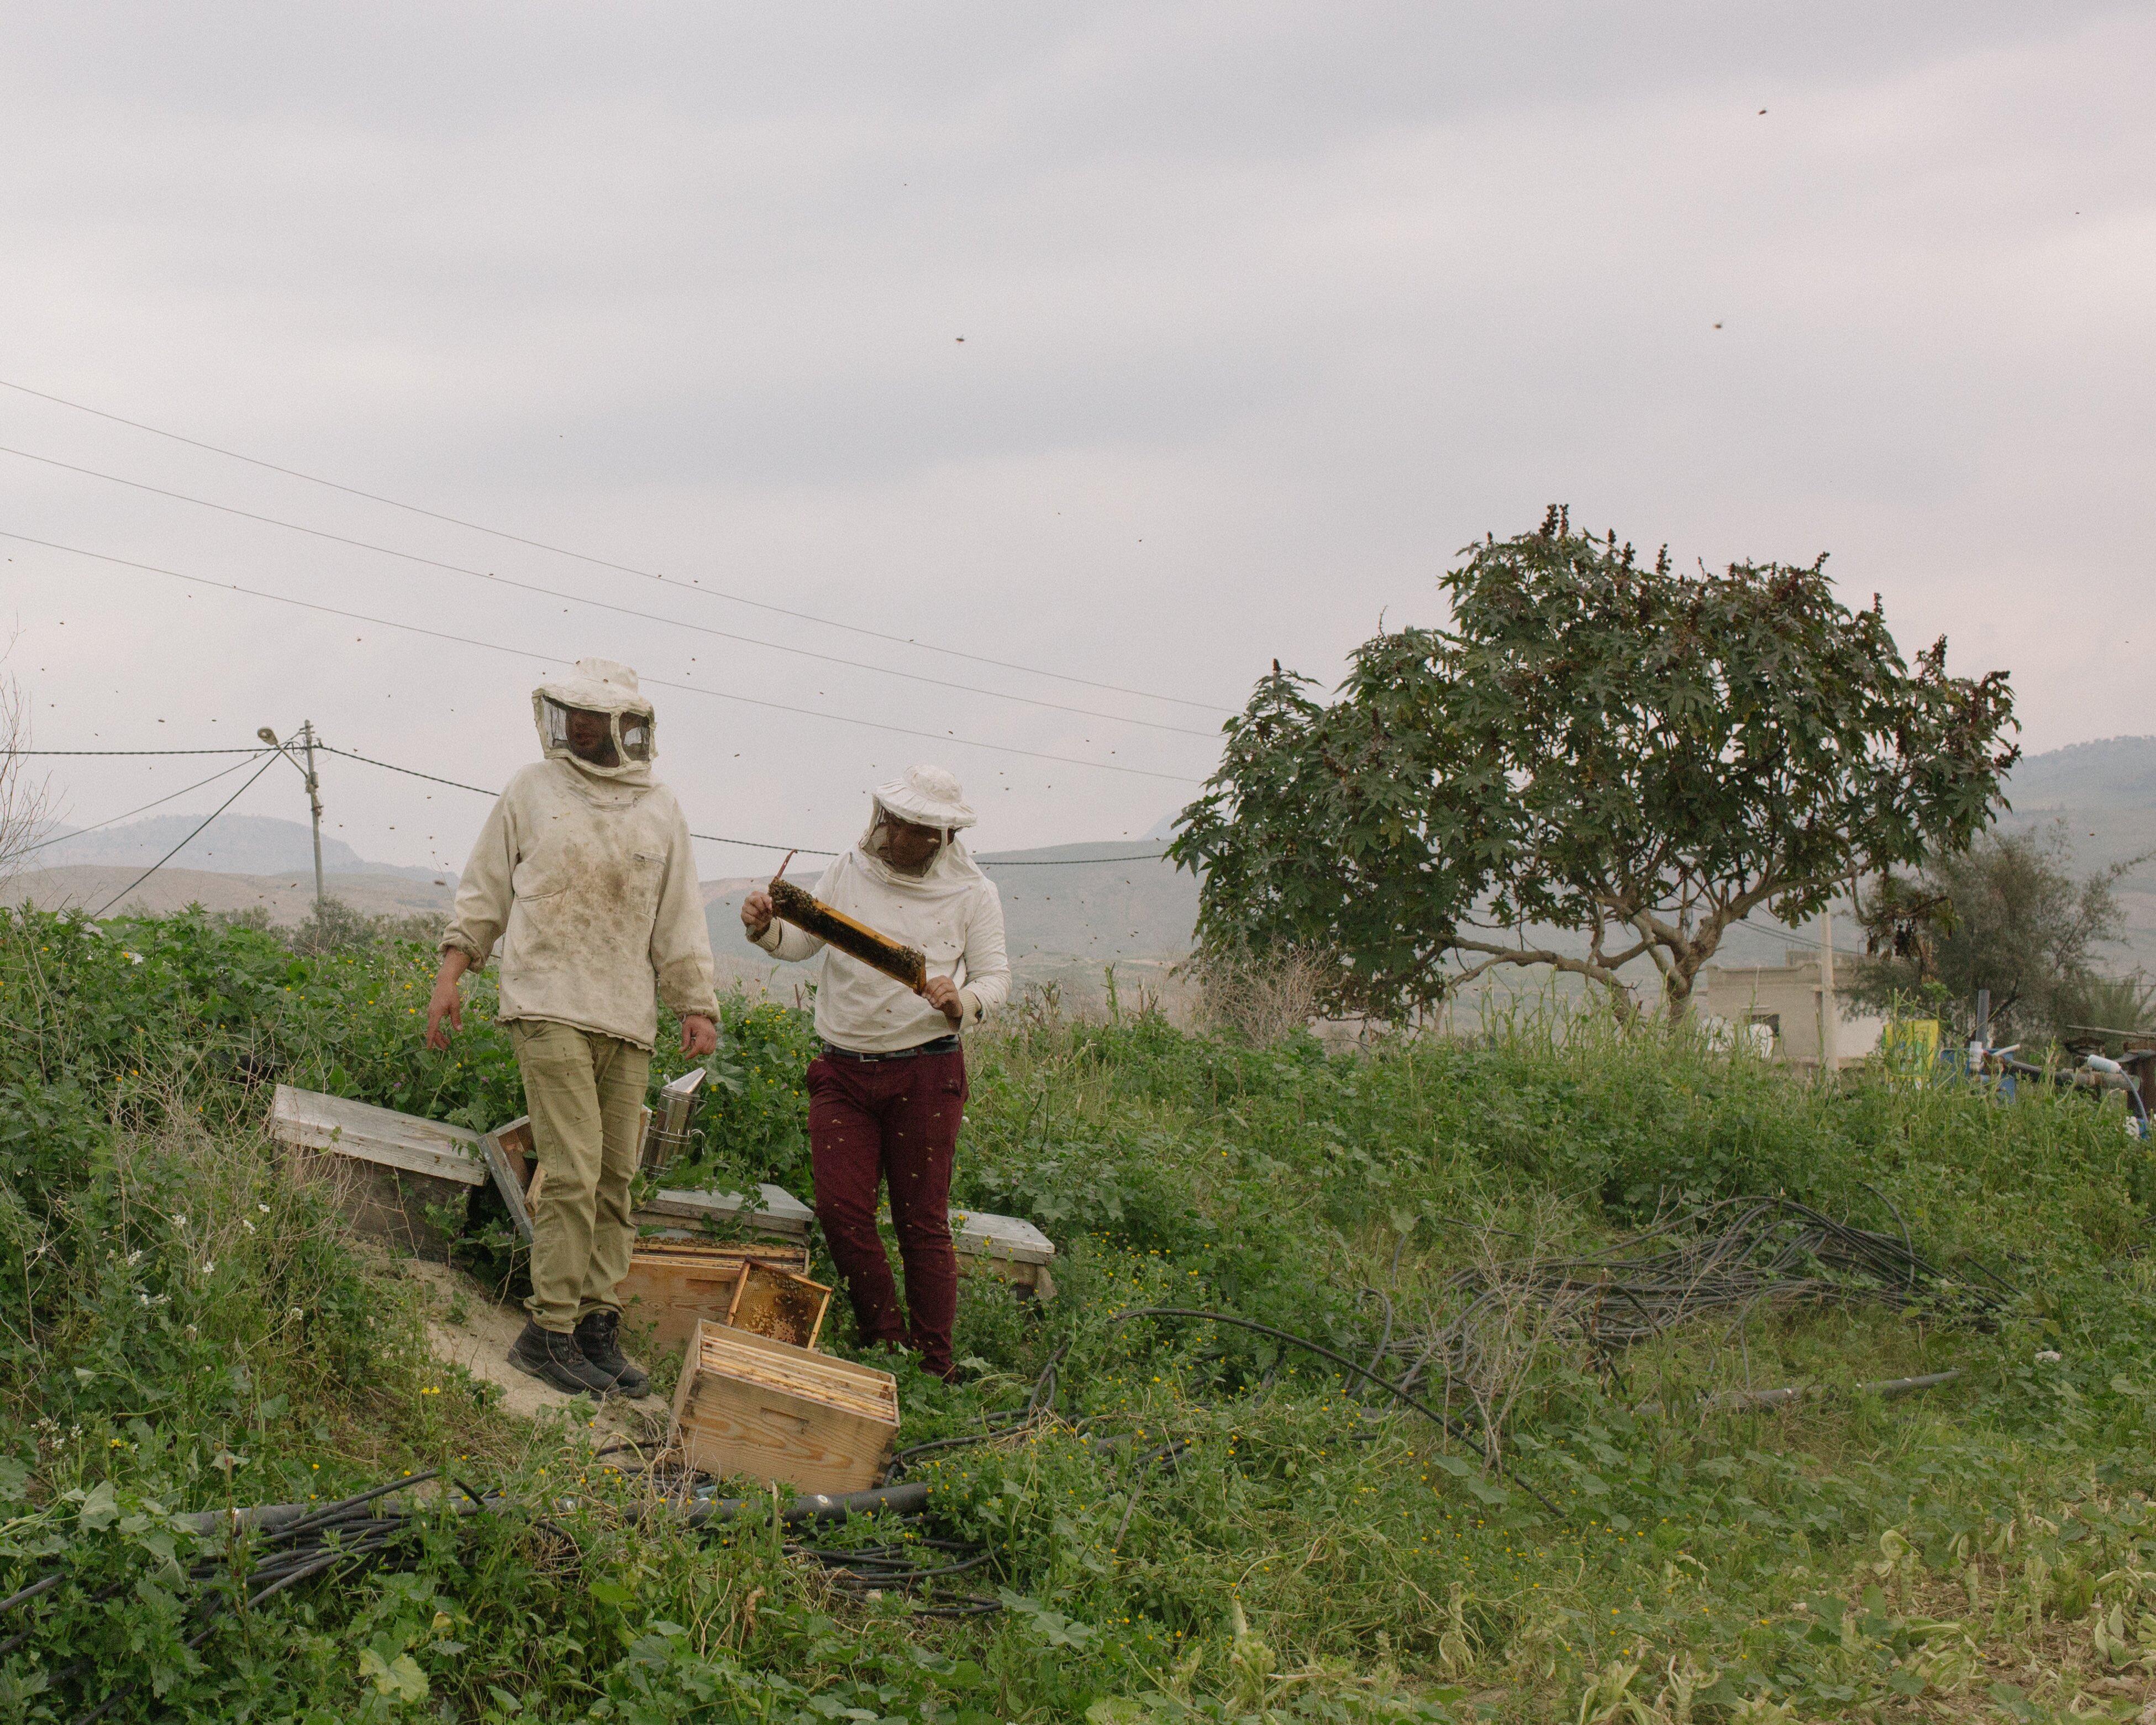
(1830, 1007)
(306, 741)
(314, 810)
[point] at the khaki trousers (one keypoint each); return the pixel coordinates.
(585, 1095)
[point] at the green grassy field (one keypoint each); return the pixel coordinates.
(189, 1326)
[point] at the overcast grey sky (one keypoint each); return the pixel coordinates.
(1266, 310)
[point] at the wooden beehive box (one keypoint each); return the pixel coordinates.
(512, 1158)
(390, 1170)
(782, 1304)
(673, 1284)
(747, 1404)
(1005, 1246)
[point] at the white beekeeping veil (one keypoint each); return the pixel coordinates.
(926, 797)
(595, 719)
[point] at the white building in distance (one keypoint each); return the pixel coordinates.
(1789, 1009)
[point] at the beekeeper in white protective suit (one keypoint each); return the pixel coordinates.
(886, 1095)
(584, 873)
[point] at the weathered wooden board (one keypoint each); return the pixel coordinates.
(507, 1153)
(749, 1405)
(981, 1234)
(1004, 1246)
(782, 1304)
(675, 1284)
(312, 1121)
(776, 1211)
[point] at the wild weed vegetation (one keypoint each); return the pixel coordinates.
(1208, 1524)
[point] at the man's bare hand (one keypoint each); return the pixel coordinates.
(757, 913)
(942, 993)
(700, 1036)
(446, 1003)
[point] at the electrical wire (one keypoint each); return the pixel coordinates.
(58, 752)
(455, 784)
(554, 592)
(438, 634)
(62, 838)
(711, 593)
(1052, 862)
(185, 842)
(458, 785)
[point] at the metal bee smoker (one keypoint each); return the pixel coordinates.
(669, 1136)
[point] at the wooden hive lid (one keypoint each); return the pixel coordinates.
(312, 1121)
(983, 1233)
(771, 1254)
(745, 1357)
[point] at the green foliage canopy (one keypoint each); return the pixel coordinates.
(2008, 914)
(1641, 756)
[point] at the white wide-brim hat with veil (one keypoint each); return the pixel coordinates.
(928, 797)
(603, 687)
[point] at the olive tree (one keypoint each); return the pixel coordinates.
(1639, 757)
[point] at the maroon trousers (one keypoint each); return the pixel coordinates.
(870, 1122)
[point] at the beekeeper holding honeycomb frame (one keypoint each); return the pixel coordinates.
(887, 1094)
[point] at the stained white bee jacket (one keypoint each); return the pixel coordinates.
(589, 883)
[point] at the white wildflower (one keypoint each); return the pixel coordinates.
(247, 1224)
(2049, 1356)
(209, 1266)
(264, 1208)
(179, 1221)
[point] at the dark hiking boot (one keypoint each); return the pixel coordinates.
(552, 1356)
(598, 1336)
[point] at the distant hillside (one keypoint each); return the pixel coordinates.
(232, 844)
(1066, 922)
(2117, 773)
(288, 897)
(2104, 794)
(1069, 923)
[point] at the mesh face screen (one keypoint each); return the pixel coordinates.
(629, 734)
(879, 846)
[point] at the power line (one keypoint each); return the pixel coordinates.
(711, 593)
(62, 838)
(185, 842)
(1059, 862)
(556, 658)
(1064, 862)
(555, 592)
(454, 784)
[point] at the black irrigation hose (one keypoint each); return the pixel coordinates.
(909, 1499)
(1740, 1252)
(1338, 1359)
(297, 1543)
(33, 1590)
(1002, 1425)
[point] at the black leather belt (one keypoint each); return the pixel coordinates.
(941, 1045)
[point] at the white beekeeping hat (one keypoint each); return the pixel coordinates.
(928, 797)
